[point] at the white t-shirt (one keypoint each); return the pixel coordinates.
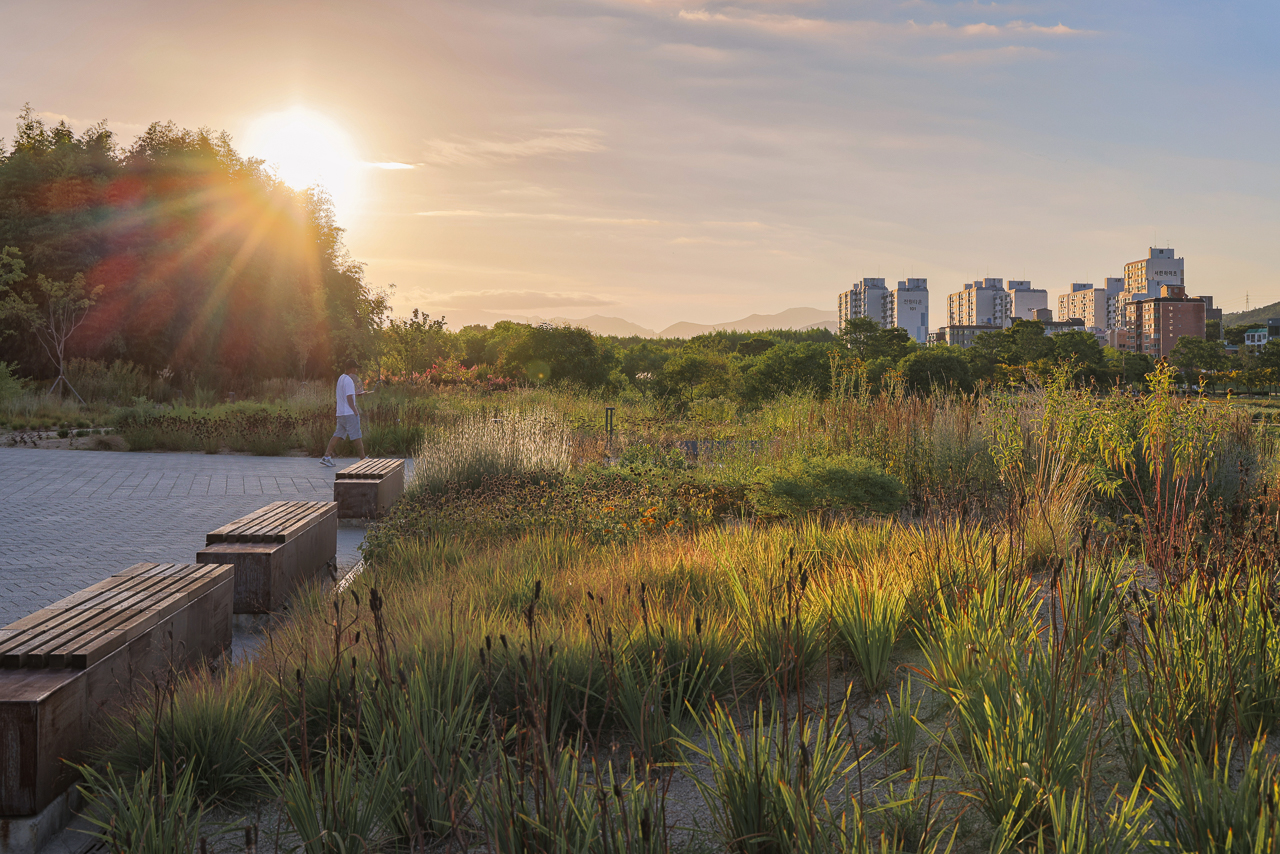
(346, 386)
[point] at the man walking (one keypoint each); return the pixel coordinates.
(348, 414)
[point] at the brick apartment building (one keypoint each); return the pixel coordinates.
(1158, 322)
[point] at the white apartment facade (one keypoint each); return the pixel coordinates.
(1024, 300)
(867, 298)
(989, 302)
(981, 303)
(1099, 308)
(911, 308)
(906, 306)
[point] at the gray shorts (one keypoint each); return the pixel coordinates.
(348, 427)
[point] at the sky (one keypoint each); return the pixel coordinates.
(664, 160)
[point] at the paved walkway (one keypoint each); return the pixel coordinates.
(70, 518)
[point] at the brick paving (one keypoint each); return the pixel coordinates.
(71, 518)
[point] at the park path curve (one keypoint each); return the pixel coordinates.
(71, 518)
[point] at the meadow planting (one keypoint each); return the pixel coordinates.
(1035, 620)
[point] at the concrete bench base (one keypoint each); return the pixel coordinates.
(30, 834)
(48, 714)
(267, 573)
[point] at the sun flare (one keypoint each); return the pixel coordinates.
(307, 149)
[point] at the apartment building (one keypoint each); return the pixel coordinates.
(1099, 308)
(981, 303)
(867, 298)
(1144, 279)
(1024, 300)
(1158, 322)
(961, 335)
(910, 306)
(990, 302)
(905, 306)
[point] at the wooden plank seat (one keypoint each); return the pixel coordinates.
(63, 665)
(367, 489)
(274, 550)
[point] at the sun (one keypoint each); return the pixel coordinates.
(307, 149)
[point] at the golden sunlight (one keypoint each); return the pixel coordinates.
(306, 149)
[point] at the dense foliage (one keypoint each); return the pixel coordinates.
(202, 263)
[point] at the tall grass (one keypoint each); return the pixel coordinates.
(469, 450)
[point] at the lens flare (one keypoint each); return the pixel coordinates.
(306, 149)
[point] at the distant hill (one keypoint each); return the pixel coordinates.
(792, 318)
(1253, 316)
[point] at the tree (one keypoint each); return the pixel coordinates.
(52, 314)
(559, 354)
(754, 346)
(936, 367)
(1193, 355)
(988, 351)
(1029, 341)
(867, 340)
(699, 372)
(786, 368)
(1235, 334)
(208, 264)
(1269, 355)
(1082, 350)
(1126, 366)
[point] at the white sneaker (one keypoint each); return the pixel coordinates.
(326, 461)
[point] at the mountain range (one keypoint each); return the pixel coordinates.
(792, 318)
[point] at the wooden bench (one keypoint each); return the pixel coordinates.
(62, 666)
(367, 489)
(274, 550)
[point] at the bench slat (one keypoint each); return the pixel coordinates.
(90, 624)
(278, 522)
(369, 469)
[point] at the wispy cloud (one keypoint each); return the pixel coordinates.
(511, 299)
(391, 164)
(804, 26)
(465, 152)
(547, 216)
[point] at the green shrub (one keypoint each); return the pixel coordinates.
(151, 816)
(1200, 809)
(10, 385)
(769, 780)
(832, 483)
(867, 619)
(218, 730)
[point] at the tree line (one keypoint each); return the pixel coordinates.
(193, 258)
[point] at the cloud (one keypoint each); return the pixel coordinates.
(511, 300)
(802, 26)
(604, 220)
(389, 165)
(470, 152)
(712, 241)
